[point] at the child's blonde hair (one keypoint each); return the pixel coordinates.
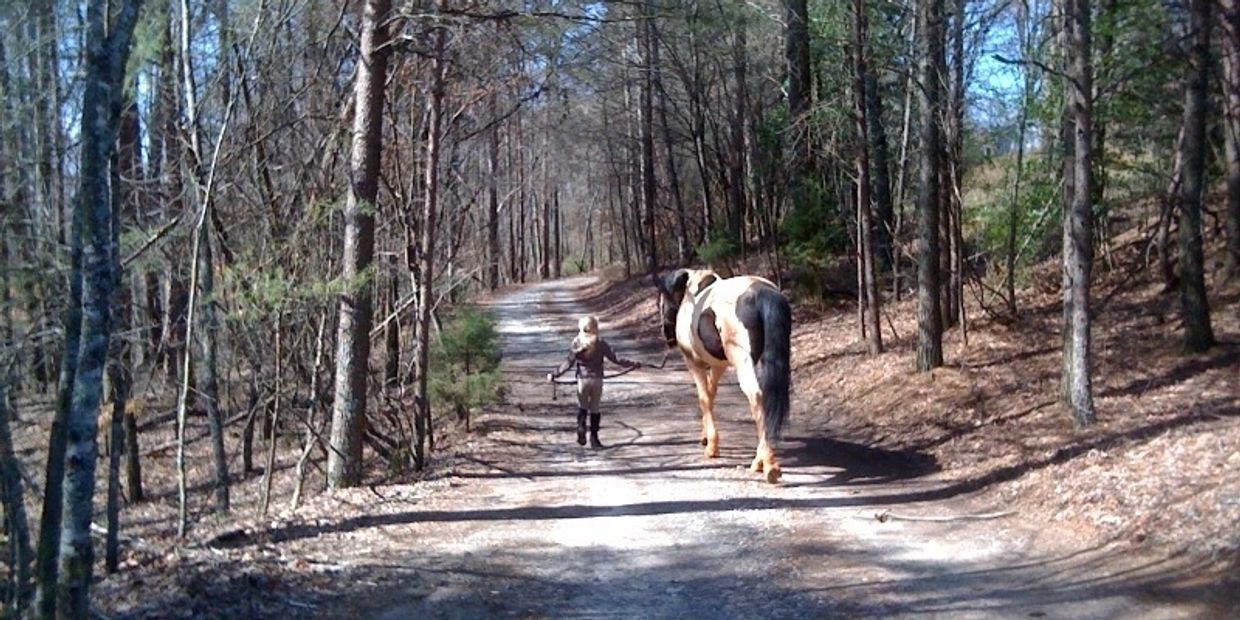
(587, 333)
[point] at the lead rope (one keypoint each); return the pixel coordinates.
(555, 383)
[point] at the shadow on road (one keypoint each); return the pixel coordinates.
(438, 585)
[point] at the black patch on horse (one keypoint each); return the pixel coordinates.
(674, 285)
(749, 313)
(709, 335)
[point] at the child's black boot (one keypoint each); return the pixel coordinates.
(594, 421)
(581, 427)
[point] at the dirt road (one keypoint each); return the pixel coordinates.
(531, 525)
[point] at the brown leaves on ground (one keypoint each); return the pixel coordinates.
(1160, 469)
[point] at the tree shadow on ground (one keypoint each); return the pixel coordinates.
(1206, 411)
(1101, 578)
(856, 462)
(1223, 356)
(603, 581)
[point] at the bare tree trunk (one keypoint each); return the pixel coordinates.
(119, 381)
(118, 376)
(633, 178)
(699, 156)
(736, 156)
(15, 525)
(796, 55)
(1195, 305)
(684, 247)
(391, 333)
(884, 248)
(203, 176)
(696, 91)
(627, 250)
(10, 150)
(247, 433)
(648, 45)
(929, 314)
(513, 243)
(522, 199)
(1106, 44)
(344, 459)
(493, 253)
(590, 239)
(209, 384)
(558, 264)
(48, 138)
(274, 436)
(311, 437)
(1231, 111)
(543, 214)
(544, 220)
(865, 243)
(430, 207)
(51, 515)
(955, 170)
(902, 168)
(106, 57)
(1009, 277)
(49, 168)
(1067, 146)
(133, 460)
(183, 402)
(173, 290)
(1078, 261)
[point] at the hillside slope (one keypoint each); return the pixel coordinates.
(1159, 473)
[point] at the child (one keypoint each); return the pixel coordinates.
(587, 353)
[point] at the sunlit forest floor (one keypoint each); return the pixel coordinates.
(1159, 471)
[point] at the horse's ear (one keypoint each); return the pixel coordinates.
(675, 283)
(658, 282)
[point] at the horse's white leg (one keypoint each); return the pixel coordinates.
(764, 457)
(706, 403)
(712, 389)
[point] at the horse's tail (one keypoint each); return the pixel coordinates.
(774, 368)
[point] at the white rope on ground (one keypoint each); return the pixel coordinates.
(887, 515)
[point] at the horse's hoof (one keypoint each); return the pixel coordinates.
(757, 466)
(711, 451)
(773, 474)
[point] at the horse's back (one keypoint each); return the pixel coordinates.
(738, 309)
(729, 290)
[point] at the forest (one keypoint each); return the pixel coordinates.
(251, 249)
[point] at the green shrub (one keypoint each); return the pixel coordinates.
(574, 266)
(718, 249)
(988, 214)
(814, 231)
(465, 362)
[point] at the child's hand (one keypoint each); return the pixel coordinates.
(550, 378)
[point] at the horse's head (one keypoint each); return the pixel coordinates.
(674, 288)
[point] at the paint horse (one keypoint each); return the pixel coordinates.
(744, 322)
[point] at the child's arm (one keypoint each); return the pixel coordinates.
(611, 355)
(563, 367)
